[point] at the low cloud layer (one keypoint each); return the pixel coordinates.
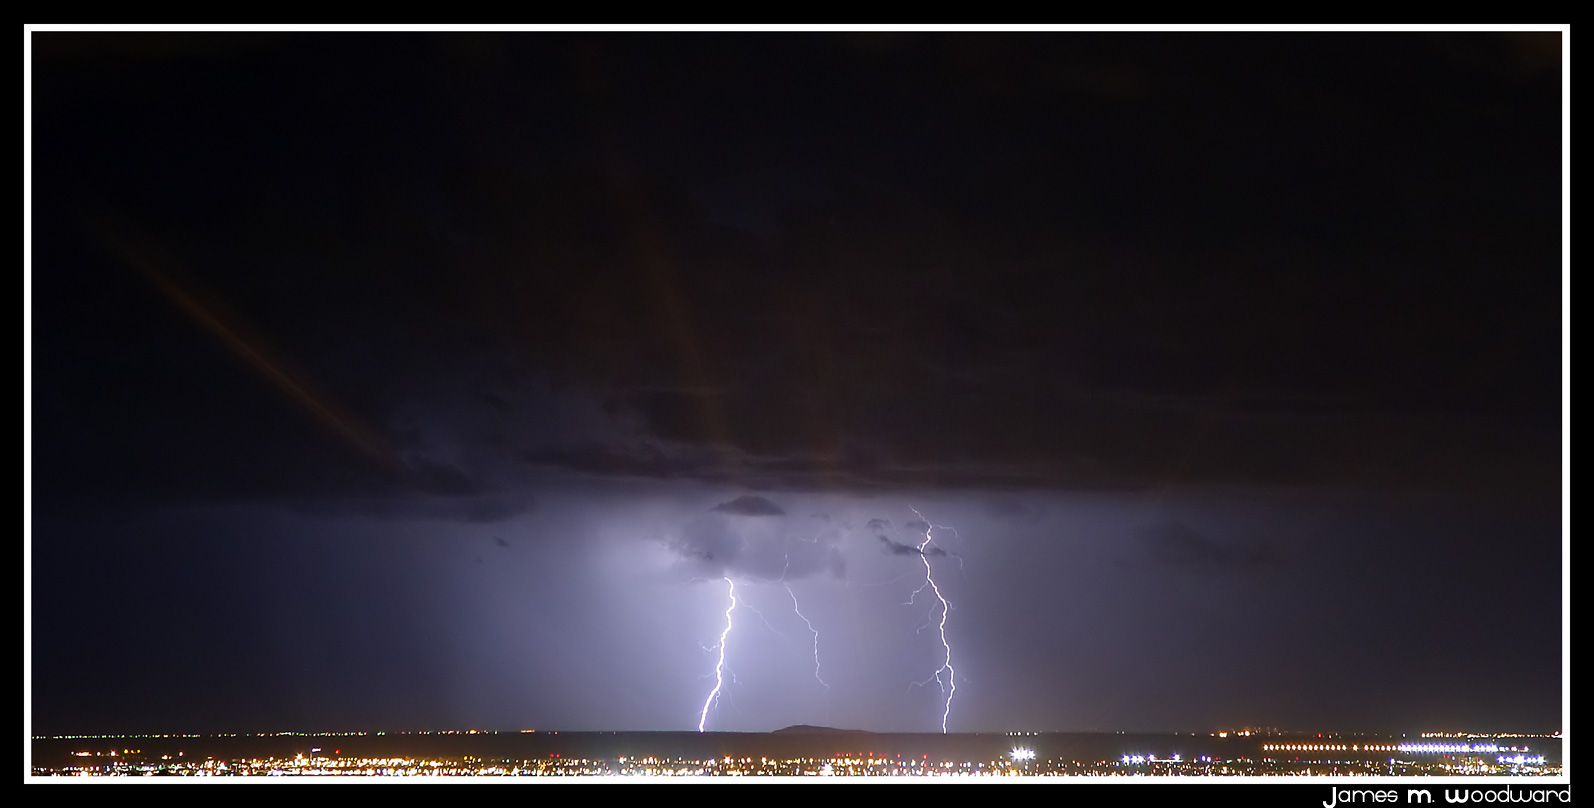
(752, 536)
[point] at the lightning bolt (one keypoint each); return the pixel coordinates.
(949, 684)
(719, 667)
(775, 631)
(815, 631)
(798, 609)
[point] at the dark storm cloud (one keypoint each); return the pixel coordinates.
(1177, 544)
(752, 538)
(1095, 299)
(712, 541)
(898, 548)
(438, 478)
(1051, 273)
(834, 384)
(1105, 354)
(597, 459)
(484, 509)
(1017, 510)
(799, 472)
(489, 509)
(893, 547)
(749, 505)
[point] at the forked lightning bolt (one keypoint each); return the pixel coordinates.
(719, 667)
(815, 631)
(949, 684)
(799, 611)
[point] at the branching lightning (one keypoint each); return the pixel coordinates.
(949, 684)
(944, 675)
(720, 671)
(764, 620)
(719, 667)
(798, 610)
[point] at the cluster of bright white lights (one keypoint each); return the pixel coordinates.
(1520, 759)
(1432, 748)
(1153, 759)
(1020, 754)
(1449, 747)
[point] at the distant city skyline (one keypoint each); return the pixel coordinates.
(801, 752)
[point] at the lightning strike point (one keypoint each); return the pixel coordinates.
(719, 667)
(949, 684)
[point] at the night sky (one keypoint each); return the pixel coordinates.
(408, 381)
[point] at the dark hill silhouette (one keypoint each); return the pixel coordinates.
(809, 729)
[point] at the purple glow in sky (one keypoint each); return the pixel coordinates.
(599, 382)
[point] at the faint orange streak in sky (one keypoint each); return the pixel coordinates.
(252, 350)
(653, 263)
